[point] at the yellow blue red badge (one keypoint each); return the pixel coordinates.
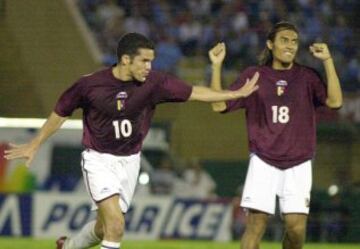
(281, 87)
(120, 100)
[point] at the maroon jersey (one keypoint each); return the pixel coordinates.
(280, 116)
(117, 114)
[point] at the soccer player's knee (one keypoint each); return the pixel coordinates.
(256, 228)
(257, 224)
(296, 231)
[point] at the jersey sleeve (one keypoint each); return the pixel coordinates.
(70, 100)
(318, 89)
(170, 89)
(233, 105)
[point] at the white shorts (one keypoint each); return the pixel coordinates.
(264, 182)
(106, 175)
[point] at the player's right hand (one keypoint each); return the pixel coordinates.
(217, 53)
(26, 151)
(250, 86)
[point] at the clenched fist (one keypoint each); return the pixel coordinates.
(320, 51)
(217, 53)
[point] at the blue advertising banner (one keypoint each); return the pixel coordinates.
(16, 215)
(49, 215)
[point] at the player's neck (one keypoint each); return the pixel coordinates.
(121, 73)
(278, 65)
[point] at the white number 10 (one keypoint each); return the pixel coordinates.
(280, 114)
(122, 128)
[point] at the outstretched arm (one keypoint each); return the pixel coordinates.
(206, 94)
(28, 151)
(334, 94)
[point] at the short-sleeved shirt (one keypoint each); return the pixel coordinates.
(117, 114)
(280, 116)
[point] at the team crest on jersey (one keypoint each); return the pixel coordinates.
(120, 100)
(281, 87)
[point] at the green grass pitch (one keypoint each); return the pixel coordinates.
(21, 243)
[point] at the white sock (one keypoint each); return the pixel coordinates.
(109, 245)
(86, 238)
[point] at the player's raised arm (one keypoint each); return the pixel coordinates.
(334, 94)
(28, 151)
(217, 55)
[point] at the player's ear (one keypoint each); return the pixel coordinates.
(125, 59)
(269, 44)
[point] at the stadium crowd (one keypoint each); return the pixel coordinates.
(191, 27)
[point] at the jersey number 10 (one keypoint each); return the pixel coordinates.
(280, 114)
(122, 128)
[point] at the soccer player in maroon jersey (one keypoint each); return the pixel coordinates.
(281, 127)
(118, 104)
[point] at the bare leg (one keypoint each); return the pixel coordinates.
(99, 229)
(112, 219)
(295, 231)
(255, 227)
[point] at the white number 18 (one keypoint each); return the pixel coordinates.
(280, 114)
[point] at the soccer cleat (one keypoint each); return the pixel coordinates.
(60, 242)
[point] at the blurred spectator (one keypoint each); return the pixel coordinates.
(113, 30)
(199, 183)
(137, 23)
(163, 178)
(168, 55)
(107, 10)
(161, 12)
(189, 35)
(340, 33)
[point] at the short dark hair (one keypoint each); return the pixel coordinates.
(266, 57)
(131, 42)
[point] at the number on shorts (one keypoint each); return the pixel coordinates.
(280, 114)
(122, 128)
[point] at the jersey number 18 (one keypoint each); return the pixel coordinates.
(280, 114)
(122, 128)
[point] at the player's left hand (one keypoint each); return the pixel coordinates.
(217, 53)
(320, 51)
